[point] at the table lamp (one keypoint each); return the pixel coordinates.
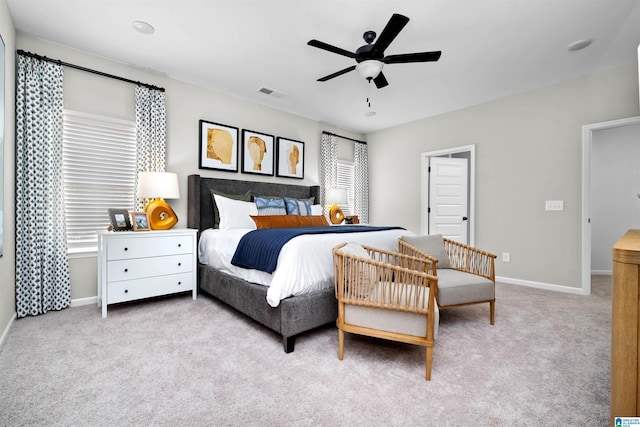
(336, 197)
(158, 186)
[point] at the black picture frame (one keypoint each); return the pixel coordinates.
(261, 161)
(218, 146)
(290, 158)
(119, 220)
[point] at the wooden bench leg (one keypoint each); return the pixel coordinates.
(492, 311)
(428, 363)
(340, 344)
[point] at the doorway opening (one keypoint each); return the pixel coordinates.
(429, 196)
(603, 136)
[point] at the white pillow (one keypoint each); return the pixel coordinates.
(235, 213)
(316, 210)
(355, 249)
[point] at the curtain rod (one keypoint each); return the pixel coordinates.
(344, 137)
(89, 70)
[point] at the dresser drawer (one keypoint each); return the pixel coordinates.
(130, 290)
(138, 246)
(129, 269)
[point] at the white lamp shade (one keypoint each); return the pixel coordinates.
(336, 196)
(158, 184)
(370, 68)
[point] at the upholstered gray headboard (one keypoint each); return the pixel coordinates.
(200, 209)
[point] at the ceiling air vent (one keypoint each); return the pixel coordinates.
(271, 92)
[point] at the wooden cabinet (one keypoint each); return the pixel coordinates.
(625, 357)
(136, 265)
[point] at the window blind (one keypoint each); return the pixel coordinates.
(99, 167)
(346, 179)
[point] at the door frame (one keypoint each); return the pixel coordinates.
(587, 144)
(471, 149)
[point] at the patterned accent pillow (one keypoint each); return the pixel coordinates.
(298, 206)
(270, 206)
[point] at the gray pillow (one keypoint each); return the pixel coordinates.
(431, 244)
(246, 197)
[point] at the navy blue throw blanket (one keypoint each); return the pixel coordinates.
(259, 249)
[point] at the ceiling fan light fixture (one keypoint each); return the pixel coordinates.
(370, 68)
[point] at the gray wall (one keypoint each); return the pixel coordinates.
(528, 150)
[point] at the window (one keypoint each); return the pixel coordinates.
(346, 179)
(99, 168)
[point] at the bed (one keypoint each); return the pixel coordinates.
(291, 315)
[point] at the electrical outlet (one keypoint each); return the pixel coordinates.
(506, 257)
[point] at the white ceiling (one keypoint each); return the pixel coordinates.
(490, 48)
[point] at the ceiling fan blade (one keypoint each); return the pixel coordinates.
(412, 57)
(381, 81)
(330, 48)
(390, 32)
(337, 73)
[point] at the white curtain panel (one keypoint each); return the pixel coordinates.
(151, 123)
(42, 265)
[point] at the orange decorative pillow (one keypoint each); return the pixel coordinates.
(288, 221)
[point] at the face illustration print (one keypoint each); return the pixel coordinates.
(293, 153)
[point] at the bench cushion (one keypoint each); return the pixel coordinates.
(458, 287)
(390, 320)
(384, 319)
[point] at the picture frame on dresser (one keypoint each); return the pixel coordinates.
(119, 220)
(290, 158)
(140, 221)
(218, 146)
(257, 152)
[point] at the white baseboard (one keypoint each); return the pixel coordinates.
(602, 272)
(6, 330)
(540, 285)
(84, 301)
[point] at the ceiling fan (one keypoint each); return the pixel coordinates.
(370, 58)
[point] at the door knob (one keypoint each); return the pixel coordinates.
(464, 218)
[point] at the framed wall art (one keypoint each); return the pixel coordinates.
(290, 158)
(119, 219)
(218, 146)
(257, 152)
(140, 221)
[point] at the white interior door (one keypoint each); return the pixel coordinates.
(449, 198)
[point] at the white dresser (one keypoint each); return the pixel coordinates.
(135, 265)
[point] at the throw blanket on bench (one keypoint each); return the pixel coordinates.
(259, 249)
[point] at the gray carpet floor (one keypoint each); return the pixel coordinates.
(176, 361)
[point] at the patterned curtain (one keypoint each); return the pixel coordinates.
(151, 122)
(42, 266)
(361, 182)
(328, 165)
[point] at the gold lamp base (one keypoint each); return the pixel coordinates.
(336, 216)
(160, 215)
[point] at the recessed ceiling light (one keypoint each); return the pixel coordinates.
(578, 45)
(142, 27)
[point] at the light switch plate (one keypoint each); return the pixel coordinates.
(554, 205)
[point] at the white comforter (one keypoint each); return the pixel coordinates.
(305, 263)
